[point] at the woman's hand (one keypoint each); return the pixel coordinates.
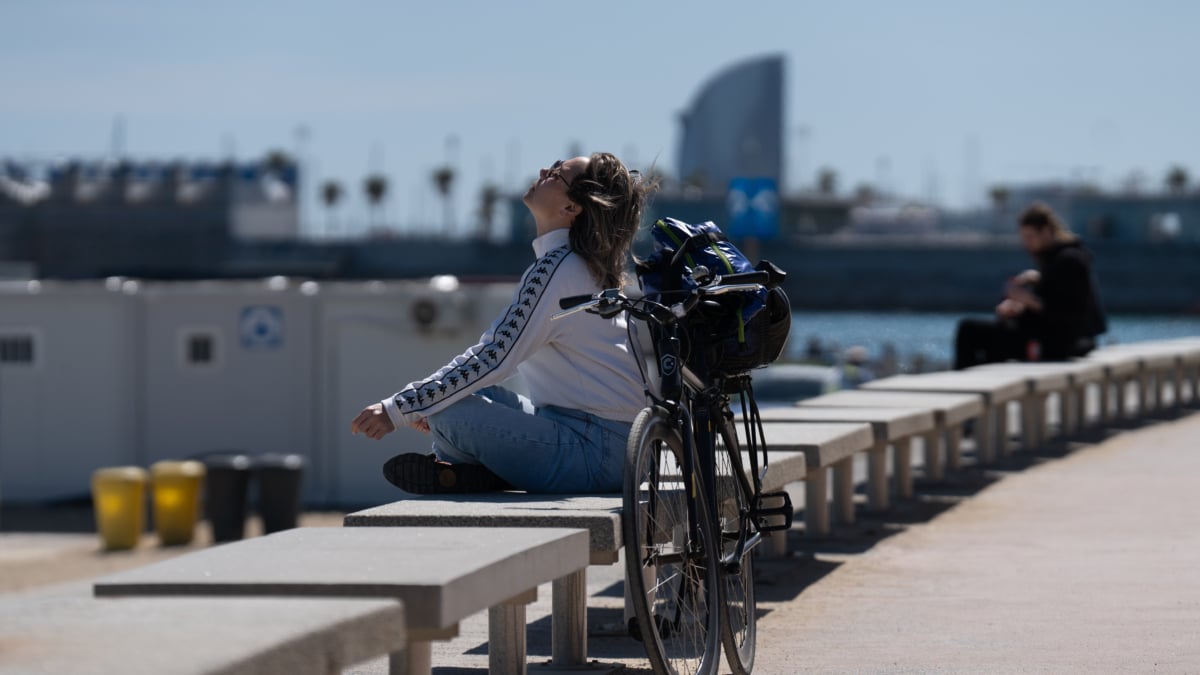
(1027, 278)
(1023, 297)
(373, 422)
(1009, 308)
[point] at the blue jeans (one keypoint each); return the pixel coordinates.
(549, 449)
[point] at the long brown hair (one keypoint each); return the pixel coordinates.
(611, 200)
(1040, 216)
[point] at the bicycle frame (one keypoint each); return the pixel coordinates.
(696, 406)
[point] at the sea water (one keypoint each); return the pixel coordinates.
(929, 337)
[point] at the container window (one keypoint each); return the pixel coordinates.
(16, 349)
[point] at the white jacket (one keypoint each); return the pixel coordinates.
(580, 361)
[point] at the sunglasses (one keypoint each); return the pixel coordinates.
(555, 171)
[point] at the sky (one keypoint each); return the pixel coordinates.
(931, 99)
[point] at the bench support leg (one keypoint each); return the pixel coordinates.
(774, 546)
(932, 442)
(416, 659)
(954, 448)
(816, 502)
(568, 627)
(506, 638)
(878, 497)
(1029, 422)
(1041, 420)
(1066, 412)
(1177, 388)
(985, 434)
(1004, 429)
(902, 467)
(1081, 408)
(1121, 412)
(1146, 402)
(843, 491)
(1104, 401)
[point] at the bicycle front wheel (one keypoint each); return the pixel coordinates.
(739, 629)
(670, 561)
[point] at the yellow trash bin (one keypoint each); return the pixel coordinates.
(176, 497)
(119, 498)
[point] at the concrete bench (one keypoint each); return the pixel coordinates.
(1189, 371)
(1121, 369)
(894, 427)
(600, 515)
(64, 629)
(950, 411)
(996, 389)
(1156, 365)
(1044, 379)
(441, 575)
(826, 447)
(1162, 363)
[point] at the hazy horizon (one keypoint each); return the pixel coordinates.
(934, 100)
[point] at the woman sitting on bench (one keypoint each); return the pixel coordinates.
(584, 384)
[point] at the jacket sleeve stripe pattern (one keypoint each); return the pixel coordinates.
(486, 357)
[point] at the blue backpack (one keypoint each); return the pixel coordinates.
(733, 333)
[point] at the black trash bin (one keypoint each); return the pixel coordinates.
(226, 484)
(279, 487)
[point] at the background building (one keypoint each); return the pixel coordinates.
(734, 127)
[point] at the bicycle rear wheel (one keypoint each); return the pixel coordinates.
(739, 628)
(670, 566)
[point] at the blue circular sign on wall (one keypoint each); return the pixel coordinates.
(261, 327)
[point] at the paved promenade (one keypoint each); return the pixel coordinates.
(1089, 563)
(1084, 560)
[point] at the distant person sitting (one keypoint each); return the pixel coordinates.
(855, 370)
(1052, 313)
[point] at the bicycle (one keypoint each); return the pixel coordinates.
(692, 514)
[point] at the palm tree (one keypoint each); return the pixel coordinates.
(999, 195)
(1177, 180)
(375, 185)
(488, 197)
(443, 180)
(331, 194)
(865, 194)
(827, 182)
(277, 161)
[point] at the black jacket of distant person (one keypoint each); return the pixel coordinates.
(1072, 315)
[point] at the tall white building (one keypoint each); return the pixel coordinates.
(734, 127)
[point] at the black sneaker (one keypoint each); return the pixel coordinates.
(427, 475)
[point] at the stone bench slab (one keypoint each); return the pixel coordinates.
(442, 575)
(888, 424)
(600, 515)
(64, 629)
(948, 409)
(1042, 378)
(823, 444)
(996, 387)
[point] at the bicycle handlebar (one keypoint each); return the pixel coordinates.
(572, 301)
(610, 301)
(755, 277)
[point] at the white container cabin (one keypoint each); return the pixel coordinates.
(129, 372)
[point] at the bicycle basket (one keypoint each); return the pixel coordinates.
(731, 333)
(760, 343)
